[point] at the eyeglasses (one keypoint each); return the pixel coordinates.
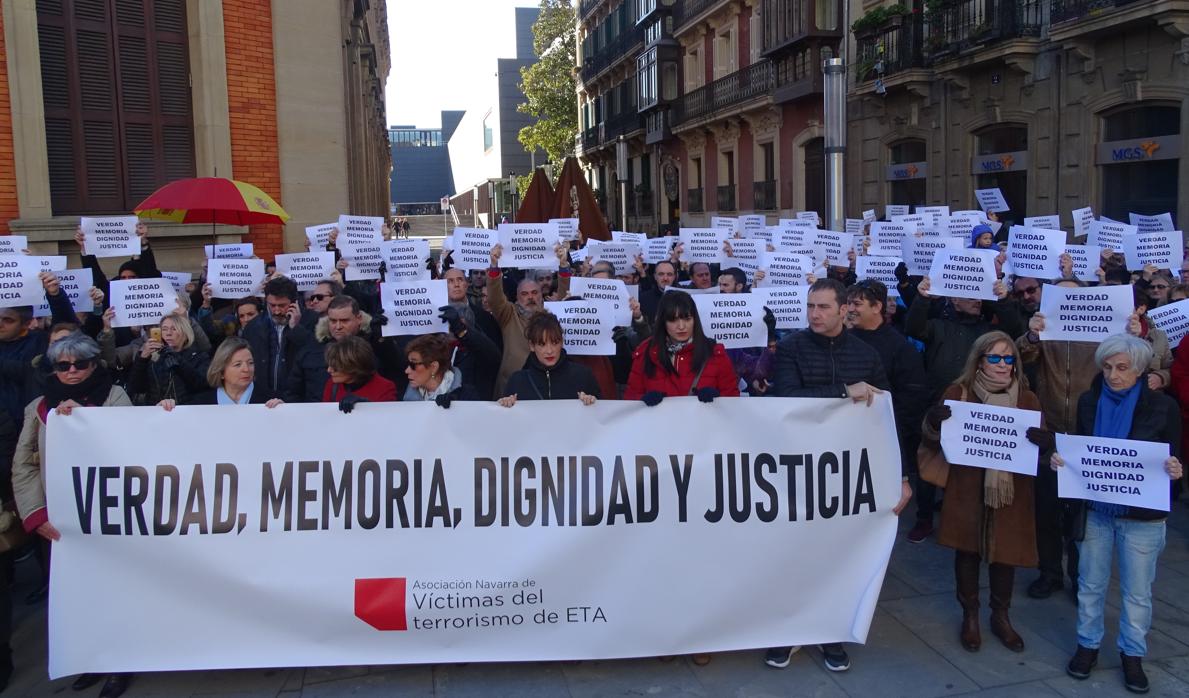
(80, 364)
(418, 364)
(996, 358)
(316, 297)
(1159, 287)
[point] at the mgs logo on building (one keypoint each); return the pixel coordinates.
(1144, 151)
(381, 603)
(1002, 164)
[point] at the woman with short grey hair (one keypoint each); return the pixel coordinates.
(1119, 405)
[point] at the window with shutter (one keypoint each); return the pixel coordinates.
(115, 80)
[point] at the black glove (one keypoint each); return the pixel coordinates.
(652, 398)
(444, 400)
(348, 403)
(901, 273)
(770, 321)
(707, 394)
(451, 316)
(619, 334)
(379, 319)
(936, 415)
(1044, 439)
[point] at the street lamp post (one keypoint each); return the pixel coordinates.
(515, 192)
(834, 94)
(621, 173)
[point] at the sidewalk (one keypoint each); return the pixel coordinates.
(912, 651)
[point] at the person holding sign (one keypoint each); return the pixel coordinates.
(168, 366)
(143, 266)
(513, 317)
(987, 514)
(1119, 405)
(20, 342)
(478, 342)
(431, 377)
(549, 374)
(352, 376)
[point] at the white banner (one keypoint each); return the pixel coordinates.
(788, 305)
(986, 436)
(963, 274)
(455, 544)
(736, 320)
(412, 307)
(472, 248)
(19, 283)
(586, 326)
(306, 268)
(918, 252)
(406, 260)
(13, 244)
(1115, 471)
(110, 236)
(614, 291)
(702, 244)
(1086, 261)
(1173, 319)
(140, 302)
(1035, 252)
(1085, 314)
(528, 245)
(76, 284)
(235, 278)
(1161, 249)
(229, 251)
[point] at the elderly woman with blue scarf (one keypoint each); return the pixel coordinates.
(1120, 406)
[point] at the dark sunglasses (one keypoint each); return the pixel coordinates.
(80, 364)
(316, 297)
(996, 358)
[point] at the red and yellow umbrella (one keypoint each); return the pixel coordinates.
(211, 200)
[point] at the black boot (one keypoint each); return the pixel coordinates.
(115, 685)
(1002, 579)
(5, 666)
(1134, 677)
(966, 575)
(85, 681)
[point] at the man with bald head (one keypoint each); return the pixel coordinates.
(512, 317)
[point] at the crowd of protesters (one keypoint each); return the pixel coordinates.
(327, 345)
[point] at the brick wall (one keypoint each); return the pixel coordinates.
(252, 103)
(8, 176)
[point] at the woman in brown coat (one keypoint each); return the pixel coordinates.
(987, 514)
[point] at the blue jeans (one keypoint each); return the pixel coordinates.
(1139, 544)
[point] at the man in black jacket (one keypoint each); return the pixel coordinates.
(278, 335)
(827, 361)
(476, 334)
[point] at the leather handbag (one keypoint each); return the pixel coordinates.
(932, 467)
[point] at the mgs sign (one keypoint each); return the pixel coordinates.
(1143, 151)
(1140, 150)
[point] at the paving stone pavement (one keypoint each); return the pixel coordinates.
(912, 651)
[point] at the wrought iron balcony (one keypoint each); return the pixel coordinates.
(687, 11)
(726, 197)
(787, 23)
(891, 48)
(693, 198)
(963, 24)
(756, 80)
(765, 195)
(586, 7)
(621, 48)
(1070, 10)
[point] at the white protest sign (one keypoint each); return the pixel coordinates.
(621, 255)
(76, 284)
(736, 320)
(767, 233)
(359, 243)
(747, 255)
(916, 223)
(180, 279)
(787, 269)
(991, 200)
(918, 252)
(753, 225)
(528, 245)
(1173, 319)
(887, 238)
(53, 263)
(1151, 224)
(1109, 234)
(1086, 260)
(13, 244)
(405, 260)
(1035, 252)
(235, 278)
(986, 436)
(110, 236)
(586, 326)
(579, 256)
(1085, 314)
(787, 303)
(893, 210)
(658, 249)
(613, 291)
(702, 244)
(1050, 222)
(935, 215)
(1082, 218)
(854, 226)
(869, 216)
(635, 238)
(881, 269)
(229, 251)
(306, 268)
(810, 216)
(472, 248)
(1113, 471)
(1162, 249)
(319, 235)
(793, 235)
(963, 274)
(833, 247)
(567, 228)
(19, 283)
(412, 307)
(731, 225)
(140, 302)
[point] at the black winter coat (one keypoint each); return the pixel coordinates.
(261, 336)
(1157, 418)
(948, 339)
(174, 375)
(811, 365)
(905, 370)
(479, 353)
(562, 381)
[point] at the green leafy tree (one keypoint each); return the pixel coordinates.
(549, 85)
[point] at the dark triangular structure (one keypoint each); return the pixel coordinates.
(575, 199)
(538, 203)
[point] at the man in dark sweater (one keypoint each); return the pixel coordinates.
(827, 361)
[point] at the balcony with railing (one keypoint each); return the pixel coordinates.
(693, 200)
(788, 23)
(586, 7)
(1071, 10)
(621, 48)
(726, 197)
(1073, 18)
(891, 48)
(765, 195)
(962, 25)
(687, 11)
(753, 82)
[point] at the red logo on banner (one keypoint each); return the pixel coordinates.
(381, 603)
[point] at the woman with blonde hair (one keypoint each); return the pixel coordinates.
(232, 377)
(987, 514)
(168, 366)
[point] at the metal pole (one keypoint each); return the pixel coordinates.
(621, 173)
(834, 109)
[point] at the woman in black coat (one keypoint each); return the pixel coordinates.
(232, 377)
(548, 374)
(168, 366)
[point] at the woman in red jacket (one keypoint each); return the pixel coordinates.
(679, 359)
(352, 378)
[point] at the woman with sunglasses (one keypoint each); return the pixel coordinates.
(79, 380)
(987, 514)
(432, 378)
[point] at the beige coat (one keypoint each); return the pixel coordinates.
(28, 480)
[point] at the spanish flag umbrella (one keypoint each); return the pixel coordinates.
(211, 200)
